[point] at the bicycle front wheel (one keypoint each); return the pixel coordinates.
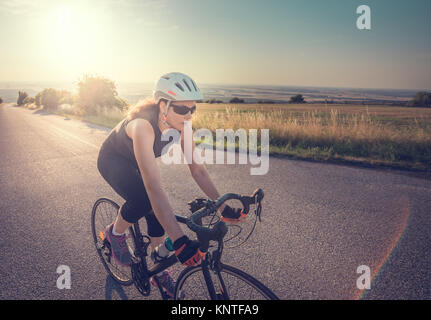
(230, 284)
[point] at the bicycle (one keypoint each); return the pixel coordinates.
(189, 283)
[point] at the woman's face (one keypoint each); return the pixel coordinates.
(176, 120)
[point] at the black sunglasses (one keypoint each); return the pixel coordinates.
(183, 110)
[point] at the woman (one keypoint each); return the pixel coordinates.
(127, 161)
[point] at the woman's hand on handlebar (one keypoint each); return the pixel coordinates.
(187, 251)
(232, 215)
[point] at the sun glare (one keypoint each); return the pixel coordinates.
(63, 18)
(75, 39)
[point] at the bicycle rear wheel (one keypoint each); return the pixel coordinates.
(232, 284)
(103, 214)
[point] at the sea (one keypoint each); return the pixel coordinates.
(133, 92)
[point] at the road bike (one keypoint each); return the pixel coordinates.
(211, 279)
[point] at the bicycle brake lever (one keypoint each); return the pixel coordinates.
(259, 211)
(197, 204)
(258, 208)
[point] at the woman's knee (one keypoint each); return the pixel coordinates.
(132, 211)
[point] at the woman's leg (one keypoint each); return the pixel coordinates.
(121, 225)
(126, 180)
(155, 242)
(155, 230)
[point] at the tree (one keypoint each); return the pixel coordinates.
(21, 96)
(95, 92)
(421, 99)
(297, 99)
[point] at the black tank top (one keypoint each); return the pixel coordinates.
(118, 142)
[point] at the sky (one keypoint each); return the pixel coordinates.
(256, 42)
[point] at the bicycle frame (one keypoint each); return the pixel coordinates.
(210, 261)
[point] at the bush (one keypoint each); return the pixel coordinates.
(96, 92)
(297, 99)
(214, 101)
(66, 97)
(21, 96)
(236, 100)
(421, 99)
(50, 98)
(38, 99)
(266, 101)
(29, 100)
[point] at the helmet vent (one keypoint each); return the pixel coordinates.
(167, 78)
(179, 86)
(193, 83)
(187, 85)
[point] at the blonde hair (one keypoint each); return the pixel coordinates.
(141, 107)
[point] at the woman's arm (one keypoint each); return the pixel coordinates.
(202, 178)
(142, 134)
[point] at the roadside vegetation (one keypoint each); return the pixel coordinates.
(375, 135)
(365, 134)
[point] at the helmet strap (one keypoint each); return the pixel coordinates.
(165, 115)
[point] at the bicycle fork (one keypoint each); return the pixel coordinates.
(209, 265)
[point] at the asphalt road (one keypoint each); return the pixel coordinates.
(320, 221)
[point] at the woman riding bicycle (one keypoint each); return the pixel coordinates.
(127, 161)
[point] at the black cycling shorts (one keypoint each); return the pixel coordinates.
(123, 176)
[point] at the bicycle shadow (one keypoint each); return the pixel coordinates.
(111, 286)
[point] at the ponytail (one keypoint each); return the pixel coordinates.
(141, 107)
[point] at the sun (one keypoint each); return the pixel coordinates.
(65, 33)
(63, 18)
(74, 38)
(77, 39)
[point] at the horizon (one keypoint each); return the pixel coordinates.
(242, 43)
(132, 92)
(222, 85)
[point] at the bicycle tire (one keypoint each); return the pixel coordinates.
(253, 283)
(121, 275)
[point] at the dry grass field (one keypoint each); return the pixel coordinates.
(367, 134)
(385, 135)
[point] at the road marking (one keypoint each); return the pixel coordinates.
(75, 137)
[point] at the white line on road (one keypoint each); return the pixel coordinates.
(75, 137)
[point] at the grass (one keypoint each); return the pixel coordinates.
(373, 135)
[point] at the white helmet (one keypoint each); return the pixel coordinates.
(176, 86)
